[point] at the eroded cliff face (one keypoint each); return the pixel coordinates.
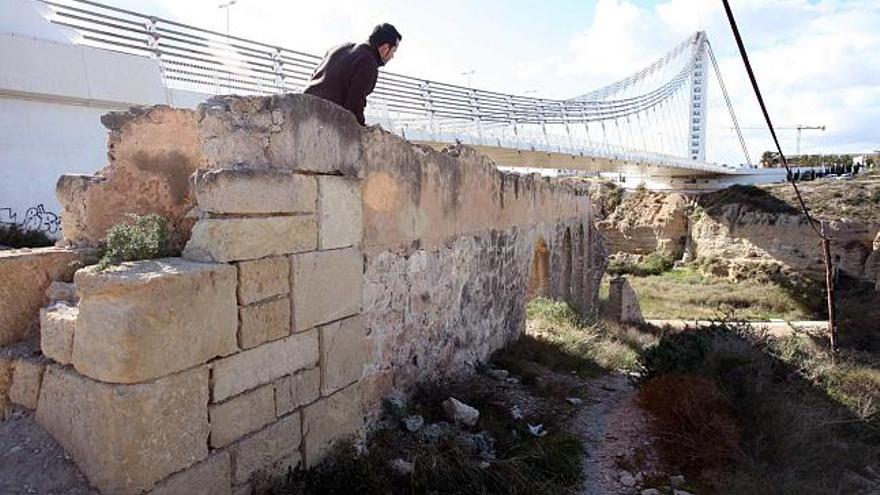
(741, 228)
(648, 222)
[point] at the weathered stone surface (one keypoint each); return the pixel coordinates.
(266, 447)
(238, 239)
(151, 152)
(266, 479)
(241, 415)
(146, 319)
(291, 131)
(125, 438)
(26, 273)
(7, 367)
(330, 420)
(262, 279)
(250, 190)
(27, 377)
(648, 222)
(61, 292)
(326, 286)
(297, 390)
(623, 303)
(57, 327)
(264, 321)
(459, 412)
(342, 353)
(264, 364)
(340, 212)
(209, 477)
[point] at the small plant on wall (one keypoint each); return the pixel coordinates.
(139, 238)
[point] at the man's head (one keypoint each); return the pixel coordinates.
(386, 39)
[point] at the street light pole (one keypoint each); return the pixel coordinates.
(226, 6)
(468, 73)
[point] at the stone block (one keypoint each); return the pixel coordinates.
(57, 327)
(26, 273)
(297, 390)
(209, 477)
(264, 321)
(146, 319)
(330, 420)
(238, 239)
(7, 366)
(27, 376)
(339, 212)
(262, 279)
(342, 353)
(623, 303)
(245, 190)
(264, 364)
(266, 447)
(125, 438)
(326, 286)
(241, 415)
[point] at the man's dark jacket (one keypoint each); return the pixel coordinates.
(346, 76)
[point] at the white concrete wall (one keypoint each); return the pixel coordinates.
(52, 95)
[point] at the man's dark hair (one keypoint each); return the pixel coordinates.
(385, 33)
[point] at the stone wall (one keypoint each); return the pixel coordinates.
(327, 267)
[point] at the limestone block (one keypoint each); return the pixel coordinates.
(264, 321)
(326, 286)
(266, 447)
(340, 212)
(291, 131)
(264, 364)
(241, 415)
(247, 190)
(27, 376)
(262, 279)
(623, 303)
(57, 327)
(266, 479)
(125, 438)
(152, 151)
(297, 390)
(209, 477)
(239, 239)
(342, 353)
(330, 420)
(146, 319)
(25, 275)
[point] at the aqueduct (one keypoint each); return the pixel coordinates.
(323, 267)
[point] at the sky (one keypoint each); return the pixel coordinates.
(818, 62)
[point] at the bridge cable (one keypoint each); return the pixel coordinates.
(742, 141)
(826, 241)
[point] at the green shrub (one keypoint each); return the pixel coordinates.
(653, 264)
(141, 238)
(14, 236)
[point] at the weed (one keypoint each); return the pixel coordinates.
(143, 237)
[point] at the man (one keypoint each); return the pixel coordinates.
(348, 72)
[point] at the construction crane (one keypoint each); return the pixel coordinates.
(798, 128)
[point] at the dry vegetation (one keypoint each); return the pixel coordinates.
(688, 294)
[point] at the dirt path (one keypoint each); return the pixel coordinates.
(32, 462)
(615, 437)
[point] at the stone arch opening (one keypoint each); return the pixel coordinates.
(539, 272)
(566, 266)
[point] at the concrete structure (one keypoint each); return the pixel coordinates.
(328, 266)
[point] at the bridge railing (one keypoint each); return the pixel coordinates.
(206, 61)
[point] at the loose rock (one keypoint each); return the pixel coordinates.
(401, 467)
(460, 412)
(626, 479)
(676, 481)
(414, 423)
(500, 375)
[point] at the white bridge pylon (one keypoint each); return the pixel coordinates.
(663, 120)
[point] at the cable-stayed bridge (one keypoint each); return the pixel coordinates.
(672, 118)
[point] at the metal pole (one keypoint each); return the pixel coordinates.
(829, 289)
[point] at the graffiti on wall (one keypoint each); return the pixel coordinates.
(35, 218)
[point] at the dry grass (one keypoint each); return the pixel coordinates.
(687, 294)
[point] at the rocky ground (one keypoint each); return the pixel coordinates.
(32, 462)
